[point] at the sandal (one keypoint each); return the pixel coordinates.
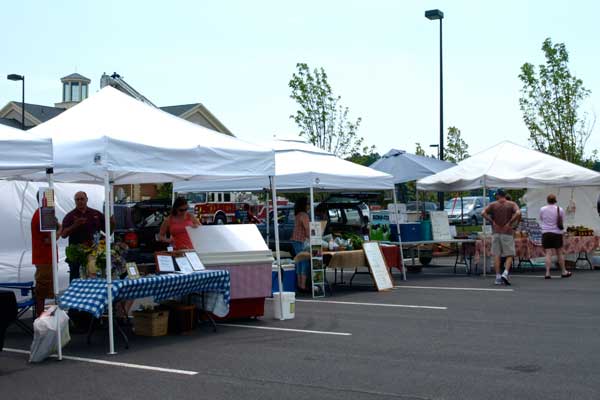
(547, 277)
(567, 275)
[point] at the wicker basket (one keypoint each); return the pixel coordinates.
(151, 323)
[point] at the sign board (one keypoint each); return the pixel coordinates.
(132, 270)
(440, 228)
(184, 265)
(47, 210)
(164, 262)
(194, 261)
(377, 266)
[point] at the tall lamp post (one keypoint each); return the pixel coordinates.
(15, 77)
(438, 15)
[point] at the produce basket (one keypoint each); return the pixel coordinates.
(151, 323)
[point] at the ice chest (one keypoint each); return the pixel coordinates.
(410, 232)
(241, 250)
(288, 276)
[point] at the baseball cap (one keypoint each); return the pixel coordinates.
(500, 192)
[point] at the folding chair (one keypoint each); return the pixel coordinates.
(27, 289)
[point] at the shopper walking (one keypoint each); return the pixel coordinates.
(502, 214)
(551, 221)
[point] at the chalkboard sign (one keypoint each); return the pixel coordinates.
(440, 228)
(377, 266)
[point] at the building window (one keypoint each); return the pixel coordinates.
(75, 94)
(84, 91)
(66, 92)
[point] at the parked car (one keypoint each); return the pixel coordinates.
(344, 215)
(470, 214)
(138, 225)
(286, 228)
(424, 206)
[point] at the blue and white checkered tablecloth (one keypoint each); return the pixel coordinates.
(91, 295)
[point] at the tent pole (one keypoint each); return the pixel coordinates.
(107, 202)
(399, 238)
(277, 252)
(49, 174)
(268, 227)
(484, 236)
(312, 219)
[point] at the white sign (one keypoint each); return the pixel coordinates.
(316, 233)
(184, 265)
(195, 261)
(165, 263)
(440, 228)
(399, 208)
(377, 266)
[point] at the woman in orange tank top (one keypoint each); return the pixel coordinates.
(175, 225)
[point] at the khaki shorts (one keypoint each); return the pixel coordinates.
(43, 282)
(503, 245)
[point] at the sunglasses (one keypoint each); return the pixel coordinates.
(182, 210)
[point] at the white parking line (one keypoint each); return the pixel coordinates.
(372, 304)
(114, 364)
(453, 288)
(270, 328)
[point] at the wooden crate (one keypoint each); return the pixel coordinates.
(151, 323)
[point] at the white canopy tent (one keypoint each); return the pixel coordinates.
(509, 165)
(22, 154)
(112, 138)
(299, 165)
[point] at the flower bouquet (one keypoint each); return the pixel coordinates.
(92, 259)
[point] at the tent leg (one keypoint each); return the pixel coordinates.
(484, 237)
(268, 227)
(399, 238)
(312, 219)
(277, 252)
(49, 174)
(107, 202)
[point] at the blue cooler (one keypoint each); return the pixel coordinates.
(410, 232)
(288, 276)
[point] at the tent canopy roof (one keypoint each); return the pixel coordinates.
(406, 167)
(509, 165)
(299, 165)
(22, 154)
(137, 143)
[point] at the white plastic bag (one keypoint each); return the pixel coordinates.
(44, 333)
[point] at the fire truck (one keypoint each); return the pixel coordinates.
(216, 207)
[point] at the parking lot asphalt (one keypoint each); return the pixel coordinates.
(435, 336)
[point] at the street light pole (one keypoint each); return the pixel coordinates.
(16, 77)
(438, 15)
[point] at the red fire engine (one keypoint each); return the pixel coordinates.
(215, 207)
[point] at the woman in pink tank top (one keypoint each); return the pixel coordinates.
(175, 225)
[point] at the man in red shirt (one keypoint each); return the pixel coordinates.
(80, 225)
(502, 214)
(41, 257)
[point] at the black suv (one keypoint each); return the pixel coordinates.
(138, 225)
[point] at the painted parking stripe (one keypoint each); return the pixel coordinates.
(114, 364)
(271, 328)
(354, 303)
(454, 288)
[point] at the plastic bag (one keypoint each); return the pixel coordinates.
(44, 333)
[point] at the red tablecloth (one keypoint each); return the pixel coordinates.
(526, 249)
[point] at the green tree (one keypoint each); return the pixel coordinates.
(322, 119)
(550, 100)
(419, 150)
(456, 148)
(365, 158)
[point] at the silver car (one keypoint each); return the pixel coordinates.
(469, 214)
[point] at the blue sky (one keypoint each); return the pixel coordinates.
(236, 57)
